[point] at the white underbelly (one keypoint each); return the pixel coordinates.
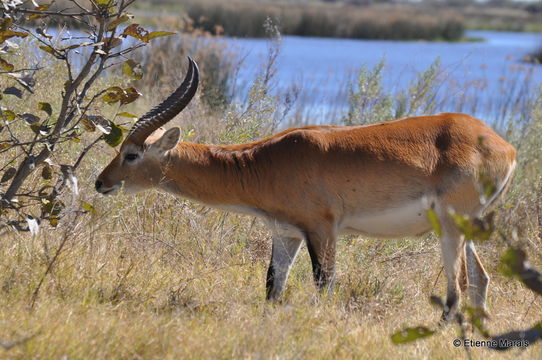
(407, 220)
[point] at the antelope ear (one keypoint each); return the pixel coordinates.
(159, 132)
(169, 140)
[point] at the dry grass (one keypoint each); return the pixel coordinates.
(155, 277)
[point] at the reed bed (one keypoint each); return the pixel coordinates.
(325, 20)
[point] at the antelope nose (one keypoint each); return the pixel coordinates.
(98, 185)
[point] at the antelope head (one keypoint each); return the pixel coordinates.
(138, 163)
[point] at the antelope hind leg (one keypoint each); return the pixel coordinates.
(478, 278)
(282, 257)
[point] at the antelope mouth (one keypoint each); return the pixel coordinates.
(111, 191)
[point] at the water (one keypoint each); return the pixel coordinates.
(322, 67)
(481, 77)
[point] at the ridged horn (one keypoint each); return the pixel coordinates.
(167, 109)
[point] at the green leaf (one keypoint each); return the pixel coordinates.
(155, 34)
(53, 207)
(47, 172)
(411, 334)
(433, 219)
(53, 220)
(9, 115)
(44, 194)
(71, 47)
(4, 65)
(474, 229)
(4, 146)
(40, 8)
(8, 174)
(487, 187)
(114, 137)
(45, 107)
(48, 49)
(113, 94)
(477, 315)
(113, 24)
(132, 69)
(511, 262)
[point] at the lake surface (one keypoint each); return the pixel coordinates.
(487, 71)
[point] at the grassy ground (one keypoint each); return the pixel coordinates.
(153, 277)
(156, 277)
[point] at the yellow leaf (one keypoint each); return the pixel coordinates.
(137, 32)
(112, 42)
(128, 115)
(131, 95)
(88, 125)
(156, 34)
(113, 94)
(5, 65)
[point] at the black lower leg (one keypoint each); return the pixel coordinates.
(321, 278)
(451, 302)
(270, 279)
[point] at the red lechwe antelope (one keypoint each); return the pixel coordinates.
(315, 182)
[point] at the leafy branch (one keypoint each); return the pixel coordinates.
(105, 35)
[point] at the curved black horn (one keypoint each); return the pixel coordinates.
(174, 104)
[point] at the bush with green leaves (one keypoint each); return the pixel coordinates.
(71, 119)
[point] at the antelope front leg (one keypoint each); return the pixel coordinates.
(322, 252)
(282, 257)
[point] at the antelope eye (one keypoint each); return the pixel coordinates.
(130, 157)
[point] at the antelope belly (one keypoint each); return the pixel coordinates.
(404, 220)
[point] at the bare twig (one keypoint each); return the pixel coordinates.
(54, 13)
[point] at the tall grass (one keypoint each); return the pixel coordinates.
(245, 19)
(156, 277)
